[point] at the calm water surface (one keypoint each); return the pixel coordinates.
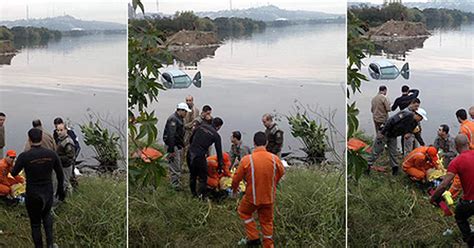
(442, 69)
(268, 72)
(67, 78)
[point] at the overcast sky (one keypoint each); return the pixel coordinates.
(381, 1)
(100, 10)
(171, 6)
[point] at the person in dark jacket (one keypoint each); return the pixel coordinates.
(411, 140)
(201, 140)
(38, 163)
(405, 99)
(70, 133)
(66, 152)
(274, 135)
(173, 136)
(397, 125)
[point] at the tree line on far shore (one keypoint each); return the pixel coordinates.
(28, 35)
(187, 20)
(433, 18)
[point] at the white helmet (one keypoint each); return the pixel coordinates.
(422, 113)
(183, 106)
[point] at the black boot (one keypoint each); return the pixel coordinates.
(395, 171)
(253, 243)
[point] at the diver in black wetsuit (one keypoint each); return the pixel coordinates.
(38, 164)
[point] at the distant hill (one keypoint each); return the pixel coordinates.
(65, 23)
(465, 6)
(269, 13)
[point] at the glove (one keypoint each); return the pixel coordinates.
(61, 194)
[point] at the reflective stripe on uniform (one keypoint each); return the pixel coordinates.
(274, 175)
(253, 181)
(268, 237)
(417, 153)
(248, 220)
(471, 140)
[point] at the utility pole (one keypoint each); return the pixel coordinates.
(230, 4)
(157, 7)
(27, 13)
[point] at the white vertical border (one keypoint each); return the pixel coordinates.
(345, 122)
(125, 6)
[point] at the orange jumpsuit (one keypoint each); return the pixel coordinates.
(262, 171)
(467, 128)
(416, 163)
(213, 176)
(5, 181)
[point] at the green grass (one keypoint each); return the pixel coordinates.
(310, 212)
(387, 211)
(94, 216)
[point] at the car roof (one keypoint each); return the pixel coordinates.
(384, 63)
(176, 72)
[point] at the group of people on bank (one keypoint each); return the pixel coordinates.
(47, 162)
(189, 136)
(456, 154)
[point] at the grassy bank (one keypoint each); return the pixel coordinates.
(94, 216)
(387, 211)
(309, 213)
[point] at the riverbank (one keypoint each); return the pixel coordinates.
(94, 216)
(309, 210)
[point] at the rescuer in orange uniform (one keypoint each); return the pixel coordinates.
(6, 166)
(262, 171)
(467, 127)
(418, 161)
(213, 175)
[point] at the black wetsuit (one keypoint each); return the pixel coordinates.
(403, 101)
(38, 164)
(202, 138)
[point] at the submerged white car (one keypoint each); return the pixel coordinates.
(385, 70)
(178, 79)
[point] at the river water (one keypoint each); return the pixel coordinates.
(269, 72)
(68, 78)
(442, 68)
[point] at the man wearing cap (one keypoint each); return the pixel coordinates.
(2, 133)
(6, 165)
(463, 167)
(173, 137)
(467, 126)
(419, 161)
(397, 125)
